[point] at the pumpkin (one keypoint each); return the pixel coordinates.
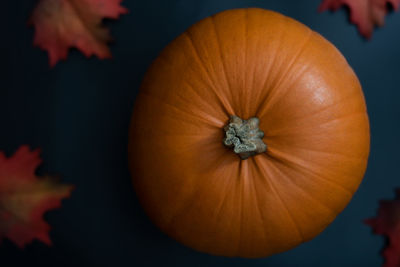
(249, 135)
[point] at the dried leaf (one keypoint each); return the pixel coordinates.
(24, 198)
(387, 223)
(62, 24)
(366, 14)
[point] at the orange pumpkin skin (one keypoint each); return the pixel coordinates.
(248, 63)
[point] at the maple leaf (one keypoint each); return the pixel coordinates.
(24, 198)
(62, 24)
(387, 223)
(364, 13)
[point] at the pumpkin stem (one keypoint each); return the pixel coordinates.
(244, 137)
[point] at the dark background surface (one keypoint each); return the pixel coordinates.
(79, 112)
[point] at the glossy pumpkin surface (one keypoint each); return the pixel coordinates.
(310, 106)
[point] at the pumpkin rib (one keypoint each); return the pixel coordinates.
(347, 98)
(210, 121)
(294, 230)
(256, 44)
(264, 109)
(286, 161)
(306, 234)
(270, 182)
(217, 38)
(338, 102)
(204, 114)
(191, 87)
(304, 177)
(267, 81)
(275, 98)
(296, 147)
(307, 135)
(244, 96)
(282, 77)
(345, 117)
(253, 163)
(281, 132)
(361, 157)
(291, 182)
(192, 199)
(267, 78)
(277, 195)
(189, 203)
(253, 65)
(221, 205)
(224, 103)
(239, 178)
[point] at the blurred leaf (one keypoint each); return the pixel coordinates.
(366, 14)
(62, 24)
(387, 223)
(24, 198)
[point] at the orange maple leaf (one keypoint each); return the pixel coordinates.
(24, 198)
(366, 14)
(62, 24)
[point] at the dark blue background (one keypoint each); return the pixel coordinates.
(79, 113)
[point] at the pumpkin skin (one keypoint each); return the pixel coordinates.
(248, 63)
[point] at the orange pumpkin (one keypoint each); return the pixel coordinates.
(258, 84)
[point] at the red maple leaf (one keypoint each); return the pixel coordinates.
(62, 24)
(24, 198)
(364, 13)
(387, 223)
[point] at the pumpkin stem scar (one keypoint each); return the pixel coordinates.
(244, 137)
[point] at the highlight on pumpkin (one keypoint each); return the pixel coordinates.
(257, 84)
